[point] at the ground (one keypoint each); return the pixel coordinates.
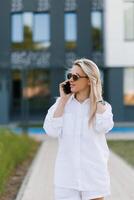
(16, 180)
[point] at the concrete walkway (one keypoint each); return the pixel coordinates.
(38, 184)
(121, 136)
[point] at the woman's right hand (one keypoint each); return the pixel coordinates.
(62, 102)
(62, 93)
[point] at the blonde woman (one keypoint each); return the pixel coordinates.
(80, 121)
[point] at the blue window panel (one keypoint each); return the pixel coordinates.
(17, 28)
(70, 27)
(41, 28)
(96, 19)
(28, 20)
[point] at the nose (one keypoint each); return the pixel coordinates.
(71, 79)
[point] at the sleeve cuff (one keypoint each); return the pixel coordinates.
(105, 114)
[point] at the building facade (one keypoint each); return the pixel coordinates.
(41, 38)
(119, 57)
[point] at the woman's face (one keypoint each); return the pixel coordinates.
(82, 83)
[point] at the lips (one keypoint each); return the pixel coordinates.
(71, 85)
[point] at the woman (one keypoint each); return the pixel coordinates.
(80, 120)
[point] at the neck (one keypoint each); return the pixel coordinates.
(82, 96)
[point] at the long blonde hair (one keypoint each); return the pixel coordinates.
(92, 71)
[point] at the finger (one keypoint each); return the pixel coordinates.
(63, 83)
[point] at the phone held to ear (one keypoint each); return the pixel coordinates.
(66, 88)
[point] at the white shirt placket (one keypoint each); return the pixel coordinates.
(78, 129)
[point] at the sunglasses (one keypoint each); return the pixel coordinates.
(75, 77)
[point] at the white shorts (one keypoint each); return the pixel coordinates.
(73, 194)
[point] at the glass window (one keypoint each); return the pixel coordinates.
(42, 29)
(129, 20)
(70, 30)
(16, 33)
(16, 92)
(27, 34)
(32, 32)
(28, 20)
(27, 25)
(37, 90)
(96, 23)
(129, 86)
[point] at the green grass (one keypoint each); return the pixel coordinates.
(124, 148)
(14, 149)
(36, 125)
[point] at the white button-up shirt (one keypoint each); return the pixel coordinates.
(83, 153)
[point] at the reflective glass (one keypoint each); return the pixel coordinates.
(129, 86)
(41, 31)
(27, 19)
(70, 30)
(129, 20)
(96, 22)
(27, 25)
(37, 90)
(41, 27)
(16, 28)
(16, 91)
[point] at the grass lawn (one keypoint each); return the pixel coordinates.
(14, 150)
(124, 148)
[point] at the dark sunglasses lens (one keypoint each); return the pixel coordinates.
(69, 75)
(75, 77)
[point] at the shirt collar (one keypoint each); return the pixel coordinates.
(72, 98)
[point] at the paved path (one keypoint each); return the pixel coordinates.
(121, 135)
(38, 185)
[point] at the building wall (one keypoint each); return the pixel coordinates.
(58, 56)
(118, 51)
(5, 61)
(118, 59)
(113, 87)
(117, 55)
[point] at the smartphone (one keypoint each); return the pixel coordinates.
(66, 88)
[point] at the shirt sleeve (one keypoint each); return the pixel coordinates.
(53, 125)
(104, 121)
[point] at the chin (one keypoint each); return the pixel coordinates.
(73, 91)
